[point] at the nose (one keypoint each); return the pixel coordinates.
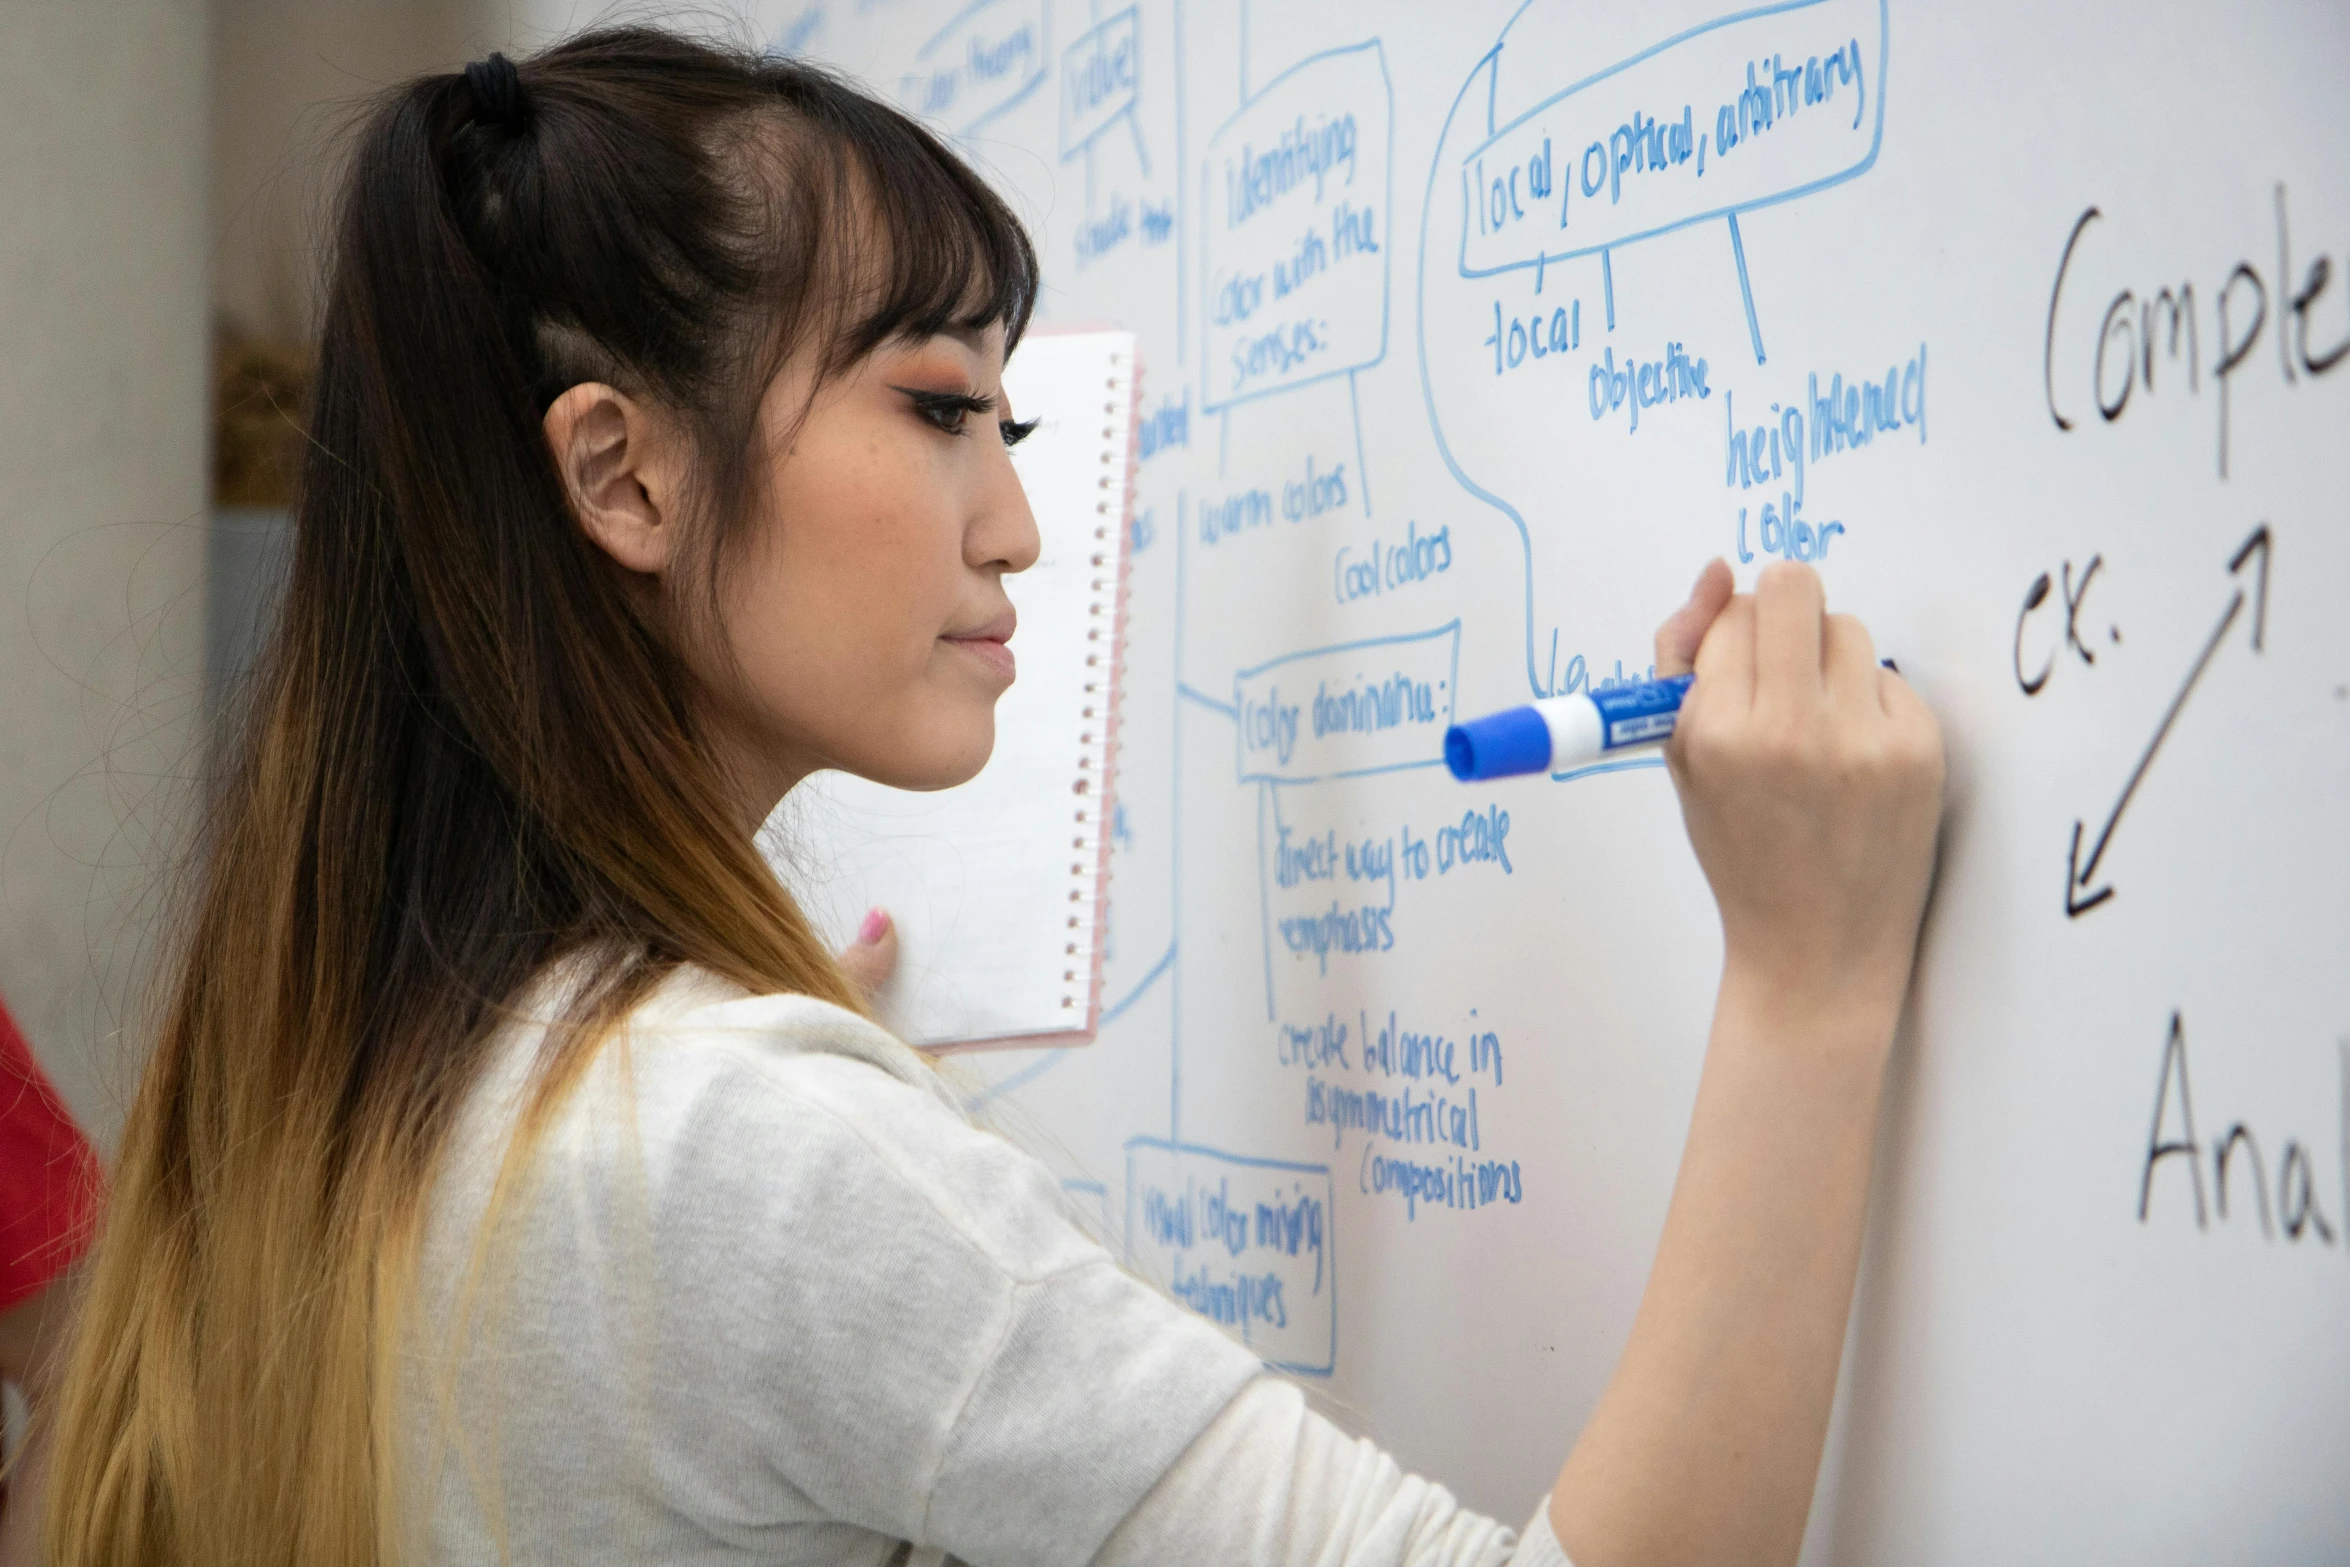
(1003, 528)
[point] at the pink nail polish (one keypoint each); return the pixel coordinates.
(875, 927)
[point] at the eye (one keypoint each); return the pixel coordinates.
(947, 411)
(1016, 430)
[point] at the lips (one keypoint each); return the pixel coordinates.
(988, 643)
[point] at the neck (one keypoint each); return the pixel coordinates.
(753, 777)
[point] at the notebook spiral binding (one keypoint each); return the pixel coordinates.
(1105, 661)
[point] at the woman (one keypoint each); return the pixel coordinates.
(516, 1176)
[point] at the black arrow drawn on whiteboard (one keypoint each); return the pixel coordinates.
(2079, 897)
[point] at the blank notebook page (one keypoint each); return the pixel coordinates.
(997, 886)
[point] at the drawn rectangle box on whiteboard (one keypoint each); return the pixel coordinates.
(1294, 233)
(1243, 1242)
(1617, 155)
(989, 57)
(1101, 76)
(1345, 711)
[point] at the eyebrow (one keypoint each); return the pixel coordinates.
(968, 334)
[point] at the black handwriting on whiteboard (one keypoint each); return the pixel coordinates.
(2079, 896)
(2297, 1211)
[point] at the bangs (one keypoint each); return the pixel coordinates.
(929, 245)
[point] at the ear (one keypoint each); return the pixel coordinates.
(619, 465)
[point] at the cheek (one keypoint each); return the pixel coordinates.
(848, 587)
(835, 613)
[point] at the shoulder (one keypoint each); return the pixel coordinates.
(698, 1014)
(803, 1113)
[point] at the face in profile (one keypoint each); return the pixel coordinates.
(862, 622)
(865, 617)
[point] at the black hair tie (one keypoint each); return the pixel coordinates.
(497, 92)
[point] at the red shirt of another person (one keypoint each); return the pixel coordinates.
(49, 1178)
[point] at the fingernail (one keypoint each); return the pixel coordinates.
(875, 927)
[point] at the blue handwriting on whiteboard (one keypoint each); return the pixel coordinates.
(1380, 567)
(988, 58)
(1341, 712)
(1457, 1182)
(1294, 207)
(1243, 1242)
(1639, 384)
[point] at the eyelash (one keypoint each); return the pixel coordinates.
(948, 411)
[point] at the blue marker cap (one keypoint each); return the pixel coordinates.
(1498, 746)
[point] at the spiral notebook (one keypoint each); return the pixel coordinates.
(998, 886)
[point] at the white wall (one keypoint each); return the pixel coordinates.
(290, 77)
(102, 490)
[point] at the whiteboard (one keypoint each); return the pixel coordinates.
(1471, 331)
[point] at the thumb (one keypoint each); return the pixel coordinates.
(873, 956)
(1683, 632)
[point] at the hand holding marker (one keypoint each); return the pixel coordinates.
(1568, 731)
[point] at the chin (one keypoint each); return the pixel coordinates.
(941, 758)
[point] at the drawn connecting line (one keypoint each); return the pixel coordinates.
(2079, 897)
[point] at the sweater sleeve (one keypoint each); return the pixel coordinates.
(1272, 1484)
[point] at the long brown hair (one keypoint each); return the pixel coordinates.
(465, 755)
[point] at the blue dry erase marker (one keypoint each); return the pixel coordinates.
(1567, 731)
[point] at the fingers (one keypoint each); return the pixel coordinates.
(1852, 669)
(1683, 632)
(1914, 724)
(873, 956)
(1725, 660)
(1789, 609)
